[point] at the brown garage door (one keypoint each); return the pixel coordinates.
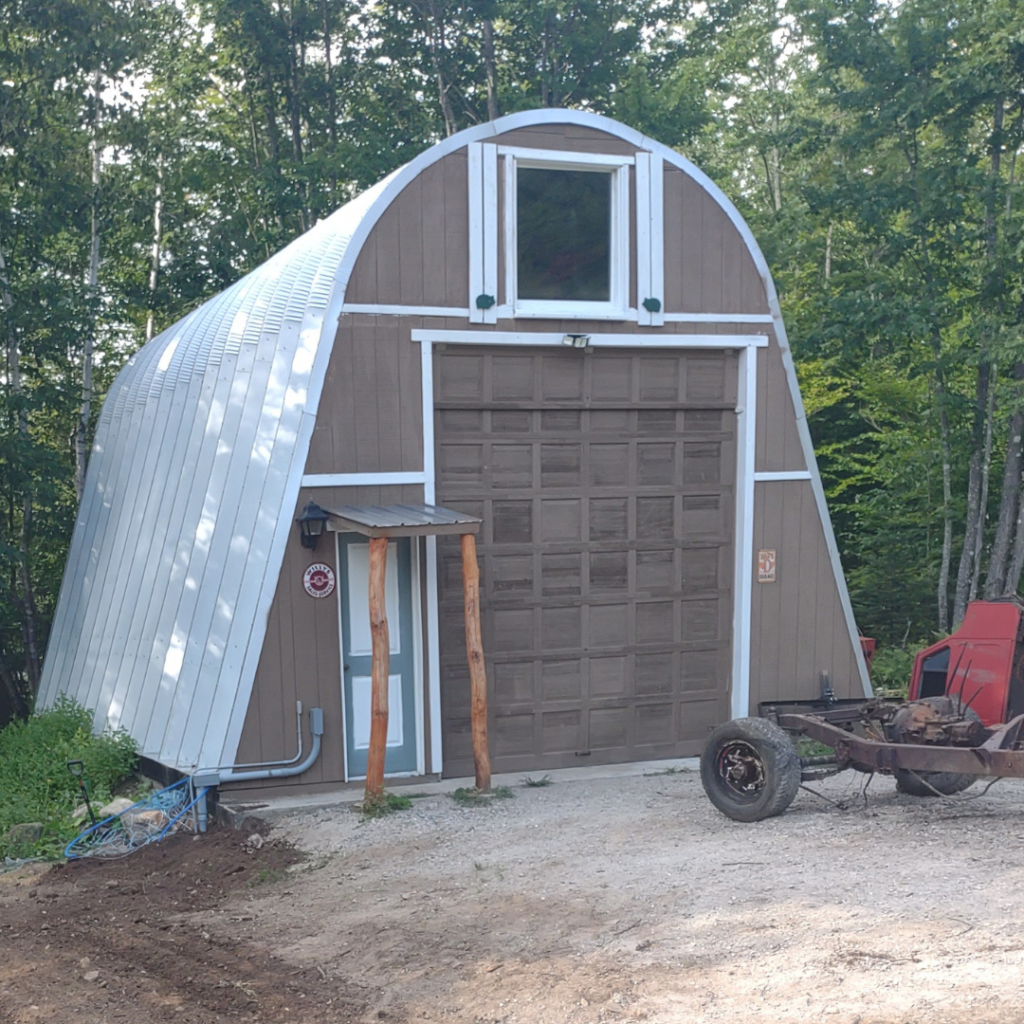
(606, 484)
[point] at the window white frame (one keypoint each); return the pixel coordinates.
(617, 308)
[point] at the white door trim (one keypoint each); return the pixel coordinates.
(743, 546)
(546, 338)
(417, 660)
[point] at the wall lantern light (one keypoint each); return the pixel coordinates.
(311, 523)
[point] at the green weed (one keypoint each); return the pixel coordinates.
(386, 803)
(531, 783)
(267, 876)
(469, 796)
(35, 785)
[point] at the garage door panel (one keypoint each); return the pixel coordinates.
(513, 377)
(561, 519)
(605, 482)
(609, 677)
(513, 682)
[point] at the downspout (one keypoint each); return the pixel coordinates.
(203, 778)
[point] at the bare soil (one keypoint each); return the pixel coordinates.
(626, 899)
(130, 939)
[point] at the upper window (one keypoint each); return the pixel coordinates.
(566, 233)
(550, 234)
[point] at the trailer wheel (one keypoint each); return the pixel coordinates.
(749, 769)
(932, 783)
(936, 783)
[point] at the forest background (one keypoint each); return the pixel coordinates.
(153, 151)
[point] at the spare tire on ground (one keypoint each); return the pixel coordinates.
(749, 769)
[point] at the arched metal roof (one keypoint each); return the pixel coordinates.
(196, 470)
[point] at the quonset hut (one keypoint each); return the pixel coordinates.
(549, 322)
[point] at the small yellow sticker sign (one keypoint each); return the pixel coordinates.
(766, 565)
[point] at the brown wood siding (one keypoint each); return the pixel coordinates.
(562, 136)
(301, 658)
(708, 268)
(777, 445)
(418, 252)
(370, 417)
(606, 486)
(798, 629)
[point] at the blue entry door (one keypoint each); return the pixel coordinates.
(356, 646)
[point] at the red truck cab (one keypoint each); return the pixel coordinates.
(982, 662)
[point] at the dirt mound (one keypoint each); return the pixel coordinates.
(128, 939)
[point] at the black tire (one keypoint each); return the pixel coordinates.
(936, 783)
(749, 769)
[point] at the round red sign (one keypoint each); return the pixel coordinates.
(318, 579)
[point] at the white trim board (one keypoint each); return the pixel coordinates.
(384, 479)
(780, 475)
(504, 312)
(385, 309)
(425, 334)
(530, 157)
(743, 544)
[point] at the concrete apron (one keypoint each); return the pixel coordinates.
(235, 809)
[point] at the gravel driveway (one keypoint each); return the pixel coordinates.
(632, 899)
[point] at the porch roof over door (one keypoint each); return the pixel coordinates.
(401, 521)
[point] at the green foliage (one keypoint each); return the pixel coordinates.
(35, 785)
(470, 796)
(381, 806)
(891, 668)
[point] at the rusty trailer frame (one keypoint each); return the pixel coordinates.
(855, 730)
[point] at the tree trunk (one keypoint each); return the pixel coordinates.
(776, 179)
(492, 70)
(947, 504)
(29, 613)
(974, 511)
(475, 656)
(14, 695)
(998, 565)
(1012, 583)
(986, 466)
(380, 666)
(85, 411)
(332, 107)
(154, 264)
(435, 35)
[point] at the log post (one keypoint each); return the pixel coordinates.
(475, 654)
(379, 672)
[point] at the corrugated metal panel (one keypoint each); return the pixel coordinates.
(185, 492)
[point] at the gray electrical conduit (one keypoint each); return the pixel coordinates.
(267, 764)
(203, 778)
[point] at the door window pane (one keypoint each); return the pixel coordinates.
(564, 234)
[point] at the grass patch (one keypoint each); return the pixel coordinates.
(531, 783)
(36, 787)
(386, 803)
(806, 747)
(672, 769)
(470, 796)
(267, 876)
